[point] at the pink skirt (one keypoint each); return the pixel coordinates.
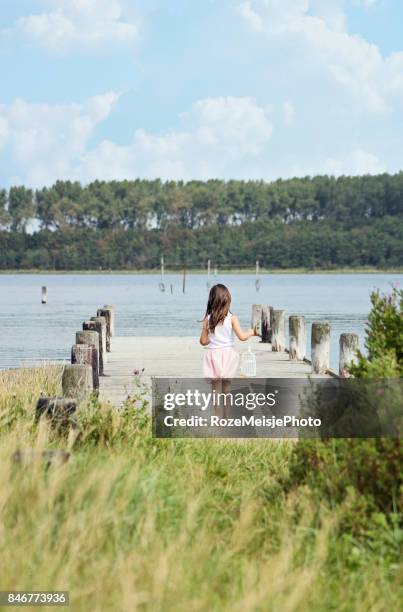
(220, 363)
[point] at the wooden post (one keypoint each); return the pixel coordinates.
(60, 411)
(348, 345)
(267, 319)
(320, 347)
(87, 354)
(54, 457)
(184, 281)
(172, 288)
(256, 320)
(102, 331)
(44, 298)
(90, 336)
(96, 327)
(106, 312)
(112, 318)
(77, 381)
(257, 279)
(278, 331)
(297, 335)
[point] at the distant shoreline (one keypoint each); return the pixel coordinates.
(179, 272)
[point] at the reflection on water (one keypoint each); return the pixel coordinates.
(30, 331)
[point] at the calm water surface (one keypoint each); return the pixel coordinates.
(31, 332)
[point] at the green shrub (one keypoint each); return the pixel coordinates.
(384, 338)
(364, 474)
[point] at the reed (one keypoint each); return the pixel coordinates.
(135, 523)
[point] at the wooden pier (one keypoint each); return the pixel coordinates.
(112, 366)
(180, 357)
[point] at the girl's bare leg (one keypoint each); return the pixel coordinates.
(225, 386)
(216, 386)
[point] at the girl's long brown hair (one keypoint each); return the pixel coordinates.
(219, 301)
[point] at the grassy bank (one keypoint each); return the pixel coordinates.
(221, 271)
(130, 522)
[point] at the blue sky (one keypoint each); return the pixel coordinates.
(182, 89)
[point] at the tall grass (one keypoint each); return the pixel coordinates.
(131, 522)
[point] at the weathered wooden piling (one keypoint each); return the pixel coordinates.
(44, 294)
(256, 320)
(26, 457)
(278, 331)
(77, 381)
(348, 347)
(106, 312)
(320, 347)
(87, 354)
(267, 320)
(102, 321)
(59, 410)
(91, 338)
(297, 337)
(100, 329)
(111, 318)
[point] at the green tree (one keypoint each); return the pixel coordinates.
(20, 207)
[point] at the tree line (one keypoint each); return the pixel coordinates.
(302, 222)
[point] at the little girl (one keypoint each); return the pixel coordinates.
(219, 329)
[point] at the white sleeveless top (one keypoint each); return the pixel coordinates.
(223, 336)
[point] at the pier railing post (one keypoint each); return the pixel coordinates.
(256, 320)
(59, 410)
(91, 337)
(77, 381)
(278, 331)
(87, 354)
(267, 319)
(297, 337)
(348, 346)
(111, 308)
(106, 313)
(320, 347)
(101, 329)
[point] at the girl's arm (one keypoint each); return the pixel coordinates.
(242, 335)
(204, 341)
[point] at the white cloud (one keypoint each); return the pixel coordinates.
(218, 137)
(45, 142)
(355, 162)
(72, 24)
(317, 31)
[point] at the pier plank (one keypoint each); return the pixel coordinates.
(179, 357)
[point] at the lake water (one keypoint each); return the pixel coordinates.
(31, 332)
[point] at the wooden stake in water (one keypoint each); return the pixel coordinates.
(162, 283)
(44, 295)
(184, 281)
(208, 273)
(257, 279)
